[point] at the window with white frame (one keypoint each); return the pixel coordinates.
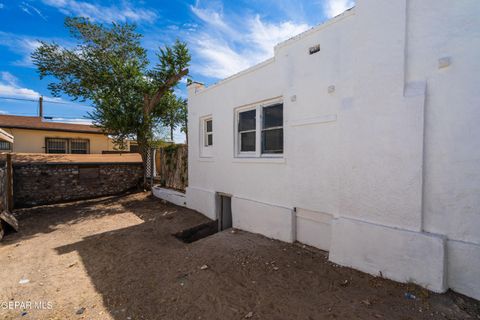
(272, 129)
(208, 132)
(247, 124)
(260, 130)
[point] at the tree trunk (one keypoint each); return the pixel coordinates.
(143, 148)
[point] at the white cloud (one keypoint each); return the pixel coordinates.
(266, 35)
(122, 13)
(2, 6)
(214, 19)
(10, 91)
(31, 10)
(10, 87)
(24, 46)
(8, 78)
(70, 120)
(335, 7)
(231, 44)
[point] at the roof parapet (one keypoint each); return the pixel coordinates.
(195, 87)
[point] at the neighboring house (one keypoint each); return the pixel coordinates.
(35, 135)
(361, 137)
(6, 140)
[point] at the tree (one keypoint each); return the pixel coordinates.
(175, 115)
(109, 68)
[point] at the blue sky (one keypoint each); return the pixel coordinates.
(224, 37)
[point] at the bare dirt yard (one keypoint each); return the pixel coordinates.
(116, 258)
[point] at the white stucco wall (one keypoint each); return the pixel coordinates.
(381, 139)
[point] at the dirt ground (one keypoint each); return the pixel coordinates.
(116, 258)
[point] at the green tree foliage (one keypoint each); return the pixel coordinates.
(175, 114)
(109, 68)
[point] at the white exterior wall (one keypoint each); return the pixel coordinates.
(382, 171)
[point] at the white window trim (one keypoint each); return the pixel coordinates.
(207, 133)
(204, 150)
(258, 130)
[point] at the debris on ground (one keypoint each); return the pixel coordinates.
(410, 296)
(345, 283)
(249, 315)
(80, 311)
(366, 302)
(23, 281)
(204, 267)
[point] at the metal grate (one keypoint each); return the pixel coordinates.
(54, 145)
(5, 146)
(79, 146)
(65, 145)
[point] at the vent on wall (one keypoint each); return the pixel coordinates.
(314, 49)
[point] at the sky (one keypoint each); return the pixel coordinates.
(224, 37)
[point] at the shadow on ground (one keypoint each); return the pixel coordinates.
(143, 272)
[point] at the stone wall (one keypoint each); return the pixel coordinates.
(3, 189)
(47, 183)
(172, 166)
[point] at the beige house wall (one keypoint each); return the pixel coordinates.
(33, 141)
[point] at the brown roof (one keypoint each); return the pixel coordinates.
(36, 123)
(74, 158)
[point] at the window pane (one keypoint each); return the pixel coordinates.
(56, 146)
(209, 125)
(246, 120)
(273, 116)
(4, 145)
(79, 146)
(210, 140)
(247, 141)
(272, 141)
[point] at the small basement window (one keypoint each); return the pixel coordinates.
(208, 125)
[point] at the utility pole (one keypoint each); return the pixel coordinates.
(40, 107)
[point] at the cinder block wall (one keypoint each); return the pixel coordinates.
(40, 183)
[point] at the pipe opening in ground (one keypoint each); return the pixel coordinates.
(198, 232)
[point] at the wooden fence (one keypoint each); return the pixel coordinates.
(171, 164)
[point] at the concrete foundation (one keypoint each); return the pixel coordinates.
(170, 195)
(464, 267)
(272, 221)
(401, 255)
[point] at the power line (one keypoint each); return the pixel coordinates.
(45, 101)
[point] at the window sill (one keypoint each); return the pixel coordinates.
(279, 160)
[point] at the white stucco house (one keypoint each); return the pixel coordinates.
(361, 137)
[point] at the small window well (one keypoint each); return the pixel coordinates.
(314, 49)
